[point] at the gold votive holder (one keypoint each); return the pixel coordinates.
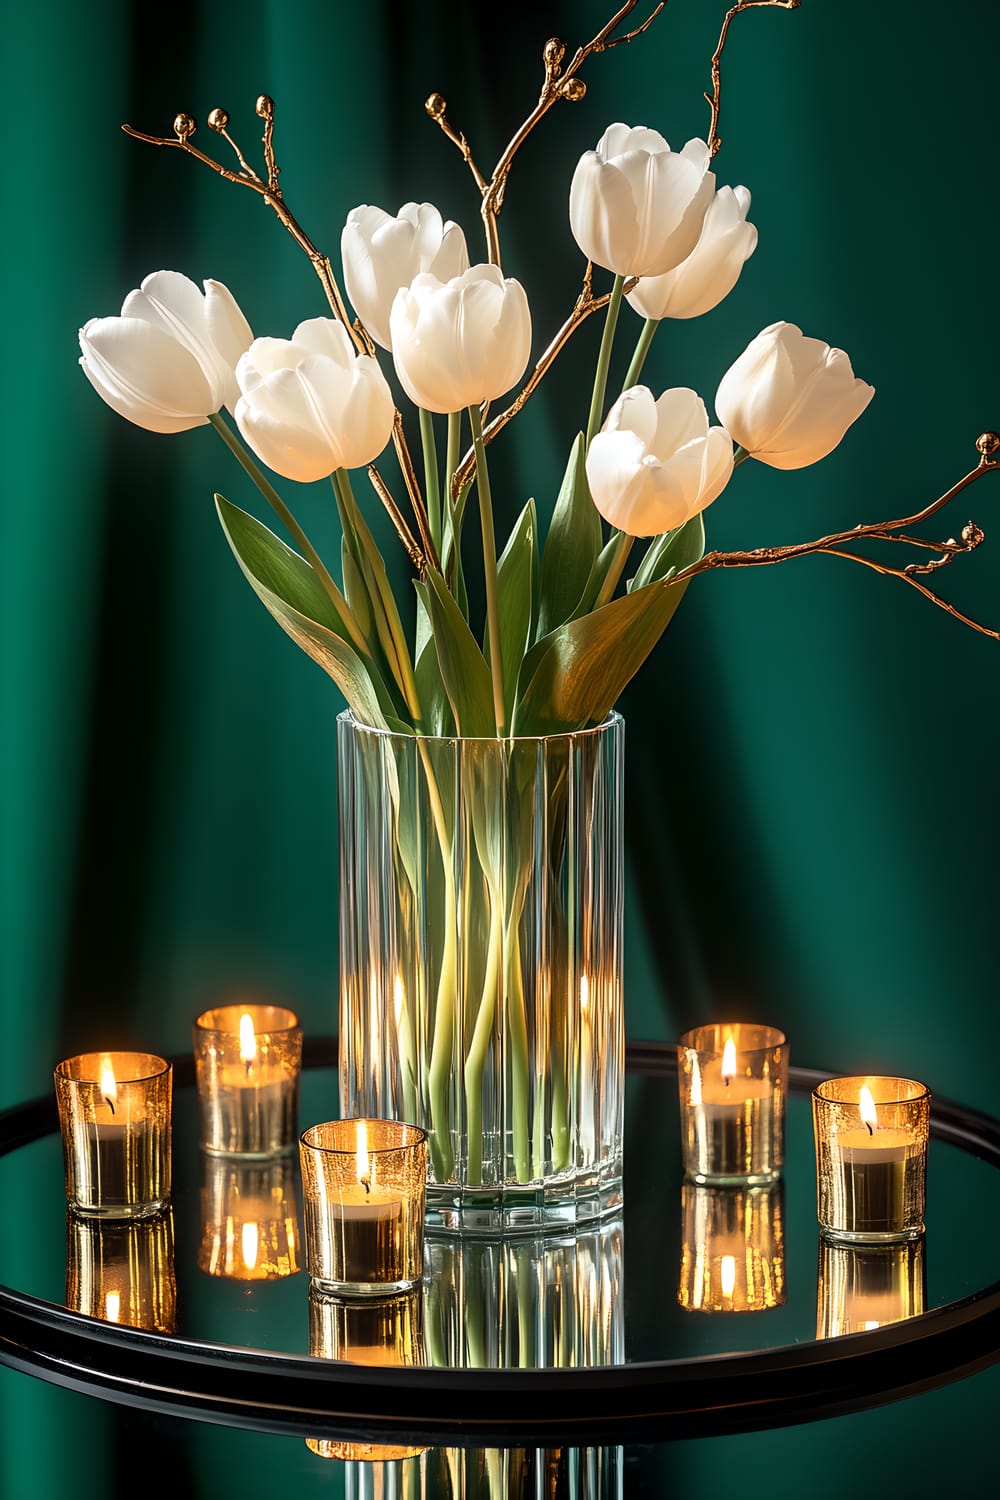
(364, 1186)
(115, 1121)
(871, 1136)
(122, 1270)
(248, 1064)
(250, 1226)
(732, 1248)
(733, 1084)
(860, 1288)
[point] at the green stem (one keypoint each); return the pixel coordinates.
(517, 1024)
(280, 509)
(431, 488)
(740, 456)
(440, 1069)
(623, 546)
(490, 570)
(475, 1060)
(604, 358)
(641, 350)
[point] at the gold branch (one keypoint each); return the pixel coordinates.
(839, 543)
(558, 83)
(270, 191)
(714, 98)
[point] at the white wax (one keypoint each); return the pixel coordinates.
(715, 1091)
(861, 1149)
(354, 1202)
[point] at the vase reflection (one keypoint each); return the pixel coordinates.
(732, 1248)
(123, 1270)
(250, 1218)
(491, 1474)
(861, 1289)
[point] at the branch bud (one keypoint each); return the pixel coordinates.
(987, 444)
(218, 119)
(265, 106)
(435, 106)
(554, 52)
(183, 126)
(573, 89)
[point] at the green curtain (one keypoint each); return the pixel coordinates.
(811, 824)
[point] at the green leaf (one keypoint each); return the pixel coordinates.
(598, 573)
(436, 715)
(517, 581)
(464, 672)
(574, 676)
(671, 552)
(289, 588)
(571, 547)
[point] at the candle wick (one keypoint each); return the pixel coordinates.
(110, 1102)
(366, 1184)
(870, 1130)
(248, 1061)
(728, 1080)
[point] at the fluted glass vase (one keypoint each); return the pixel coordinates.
(481, 965)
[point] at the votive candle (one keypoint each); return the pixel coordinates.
(871, 1136)
(733, 1083)
(250, 1222)
(364, 1191)
(863, 1287)
(115, 1121)
(122, 1271)
(732, 1248)
(248, 1061)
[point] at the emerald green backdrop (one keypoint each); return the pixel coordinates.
(811, 817)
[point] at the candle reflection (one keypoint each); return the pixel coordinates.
(250, 1218)
(732, 1248)
(122, 1271)
(859, 1290)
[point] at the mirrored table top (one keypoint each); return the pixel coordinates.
(695, 1310)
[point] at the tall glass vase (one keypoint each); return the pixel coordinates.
(481, 964)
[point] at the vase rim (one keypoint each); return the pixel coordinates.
(612, 720)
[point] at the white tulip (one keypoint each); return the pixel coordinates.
(169, 360)
(635, 206)
(656, 463)
(460, 342)
(311, 404)
(712, 269)
(382, 253)
(788, 399)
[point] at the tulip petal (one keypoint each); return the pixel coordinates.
(144, 374)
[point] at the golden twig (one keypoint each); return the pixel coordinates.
(714, 98)
(270, 191)
(558, 83)
(839, 543)
(586, 303)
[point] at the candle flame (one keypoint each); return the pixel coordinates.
(872, 1323)
(361, 1157)
(112, 1307)
(866, 1104)
(727, 1274)
(248, 1040)
(729, 1059)
(109, 1088)
(249, 1240)
(398, 998)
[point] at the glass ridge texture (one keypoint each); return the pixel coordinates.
(871, 1177)
(481, 938)
(249, 1105)
(732, 1122)
(116, 1137)
(363, 1194)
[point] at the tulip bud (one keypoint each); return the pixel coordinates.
(381, 253)
(169, 360)
(461, 342)
(655, 464)
(788, 399)
(712, 269)
(310, 404)
(635, 206)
